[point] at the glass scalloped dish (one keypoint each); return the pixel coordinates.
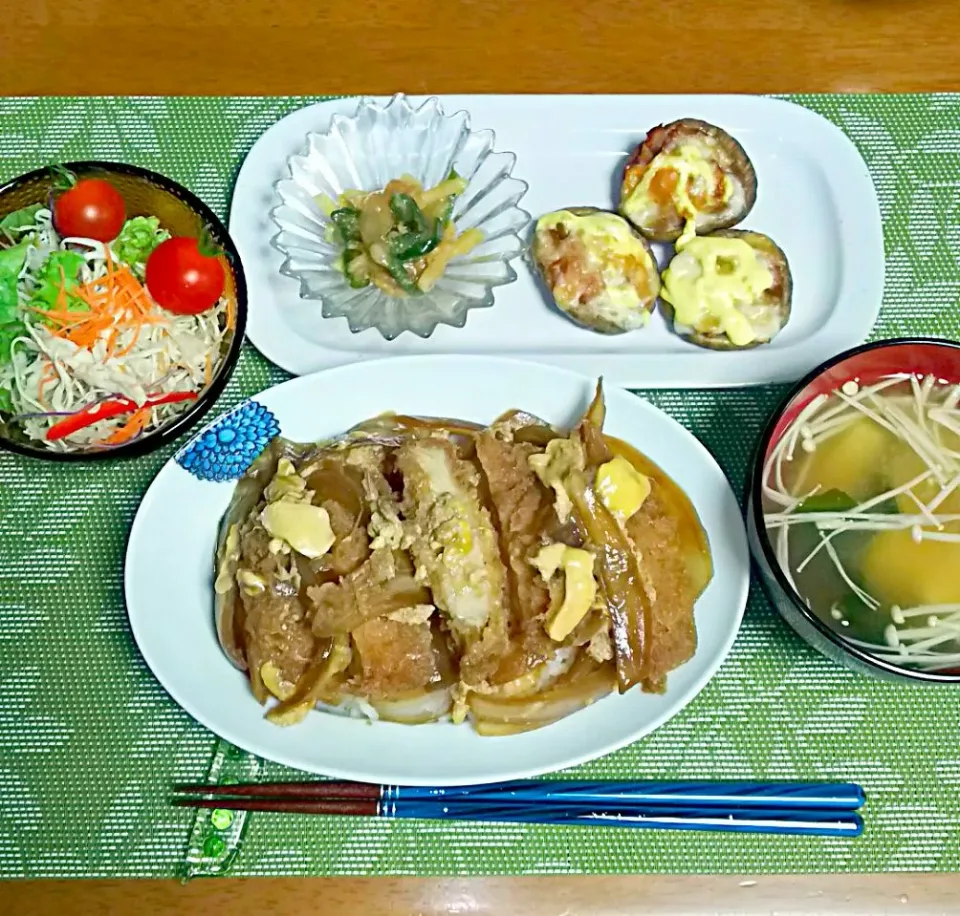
(365, 152)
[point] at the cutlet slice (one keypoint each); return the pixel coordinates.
(395, 657)
(383, 505)
(656, 534)
(454, 546)
(521, 506)
(381, 585)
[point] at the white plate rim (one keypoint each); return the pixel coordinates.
(850, 322)
(734, 576)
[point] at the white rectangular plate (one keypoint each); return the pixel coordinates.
(815, 199)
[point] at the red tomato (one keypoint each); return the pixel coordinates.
(92, 209)
(183, 279)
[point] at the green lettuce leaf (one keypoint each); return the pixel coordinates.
(11, 325)
(137, 239)
(6, 401)
(20, 220)
(9, 331)
(11, 261)
(60, 269)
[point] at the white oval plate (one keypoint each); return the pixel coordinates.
(169, 587)
(815, 198)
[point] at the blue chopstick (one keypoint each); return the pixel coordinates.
(772, 821)
(689, 794)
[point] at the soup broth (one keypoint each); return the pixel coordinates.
(861, 500)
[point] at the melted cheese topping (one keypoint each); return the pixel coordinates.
(579, 588)
(621, 487)
(610, 243)
(553, 466)
(710, 280)
(693, 168)
(306, 528)
(606, 229)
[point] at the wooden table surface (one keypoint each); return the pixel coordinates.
(381, 46)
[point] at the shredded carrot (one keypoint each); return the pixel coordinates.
(131, 428)
(116, 302)
(112, 313)
(63, 318)
(49, 375)
(231, 313)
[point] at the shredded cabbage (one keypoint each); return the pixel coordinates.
(44, 374)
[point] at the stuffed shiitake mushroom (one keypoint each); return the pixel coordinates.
(687, 176)
(727, 291)
(599, 270)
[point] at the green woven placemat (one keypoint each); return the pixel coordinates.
(90, 743)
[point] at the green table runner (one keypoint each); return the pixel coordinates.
(90, 742)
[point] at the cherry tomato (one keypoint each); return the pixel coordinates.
(91, 209)
(184, 279)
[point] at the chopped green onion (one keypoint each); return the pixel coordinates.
(347, 221)
(408, 213)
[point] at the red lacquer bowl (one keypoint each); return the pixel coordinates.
(864, 365)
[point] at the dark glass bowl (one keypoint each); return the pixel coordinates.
(867, 364)
(180, 212)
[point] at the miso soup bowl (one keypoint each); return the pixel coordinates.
(865, 365)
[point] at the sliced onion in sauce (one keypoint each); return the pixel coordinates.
(416, 709)
(585, 683)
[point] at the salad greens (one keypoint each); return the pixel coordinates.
(11, 263)
(137, 239)
(60, 270)
(11, 325)
(88, 357)
(19, 221)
